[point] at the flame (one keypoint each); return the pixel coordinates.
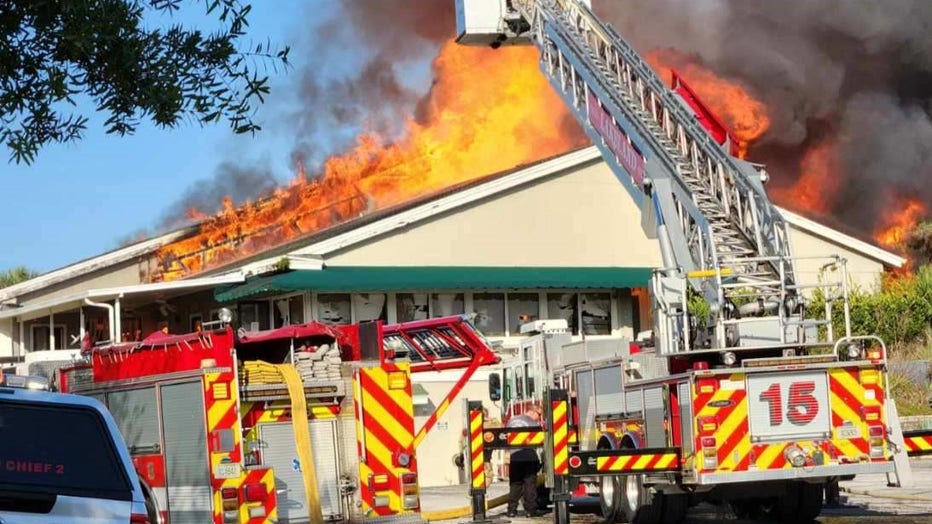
(817, 182)
(899, 223)
(487, 111)
(745, 117)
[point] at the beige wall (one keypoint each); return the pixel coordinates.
(582, 218)
(6, 337)
(862, 271)
(126, 274)
(435, 454)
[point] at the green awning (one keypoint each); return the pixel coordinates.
(410, 278)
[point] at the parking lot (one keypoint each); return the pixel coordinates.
(865, 500)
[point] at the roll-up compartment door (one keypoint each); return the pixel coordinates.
(136, 414)
(279, 453)
(186, 468)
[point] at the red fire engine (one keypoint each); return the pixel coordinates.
(744, 394)
(209, 419)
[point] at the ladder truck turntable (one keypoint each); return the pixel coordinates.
(210, 421)
(757, 404)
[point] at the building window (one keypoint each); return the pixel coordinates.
(595, 313)
(446, 304)
(296, 309)
(288, 310)
(40, 337)
(411, 306)
(490, 313)
(334, 308)
(522, 307)
(564, 305)
(254, 316)
(370, 306)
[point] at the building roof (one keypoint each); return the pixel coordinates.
(385, 221)
(91, 264)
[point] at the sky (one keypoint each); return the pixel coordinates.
(81, 199)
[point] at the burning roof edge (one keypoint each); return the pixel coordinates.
(403, 215)
(400, 216)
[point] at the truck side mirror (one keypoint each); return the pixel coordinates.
(495, 387)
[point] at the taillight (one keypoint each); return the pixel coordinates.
(230, 503)
(255, 492)
(409, 491)
(706, 425)
(709, 452)
(139, 518)
(876, 434)
(706, 386)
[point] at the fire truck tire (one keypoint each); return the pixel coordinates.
(675, 507)
(801, 503)
(640, 505)
(610, 498)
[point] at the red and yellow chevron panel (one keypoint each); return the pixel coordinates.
(918, 443)
(476, 451)
(722, 414)
(638, 462)
(225, 445)
(616, 461)
(385, 437)
(856, 396)
(559, 408)
(721, 424)
(526, 438)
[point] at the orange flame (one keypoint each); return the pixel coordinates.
(899, 223)
(488, 111)
(745, 117)
(818, 180)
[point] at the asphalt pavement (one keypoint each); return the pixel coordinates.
(867, 499)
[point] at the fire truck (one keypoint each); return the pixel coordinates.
(741, 394)
(303, 423)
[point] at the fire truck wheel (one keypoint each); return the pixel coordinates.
(610, 494)
(641, 505)
(802, 502)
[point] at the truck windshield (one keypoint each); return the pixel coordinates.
(61, 450)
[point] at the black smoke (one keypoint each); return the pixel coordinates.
(240, 182)
(854, 73)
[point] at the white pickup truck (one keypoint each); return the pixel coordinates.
(63, 460)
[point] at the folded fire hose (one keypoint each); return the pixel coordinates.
(260, 372)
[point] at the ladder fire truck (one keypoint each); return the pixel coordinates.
(220, 434)
(742, 397)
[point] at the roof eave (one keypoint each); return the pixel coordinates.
(866, 249)
(89, 265)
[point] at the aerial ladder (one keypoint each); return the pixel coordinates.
(716, 227)
(756, 404)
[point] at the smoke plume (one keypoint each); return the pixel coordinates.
(854, 74)
(237, 181)
(393, 36)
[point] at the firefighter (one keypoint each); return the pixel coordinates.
(523, 468)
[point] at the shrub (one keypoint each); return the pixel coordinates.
(900, 313)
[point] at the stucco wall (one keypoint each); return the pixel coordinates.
(6, 337)
(125, 274)
(862, 271)
(581, 218)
